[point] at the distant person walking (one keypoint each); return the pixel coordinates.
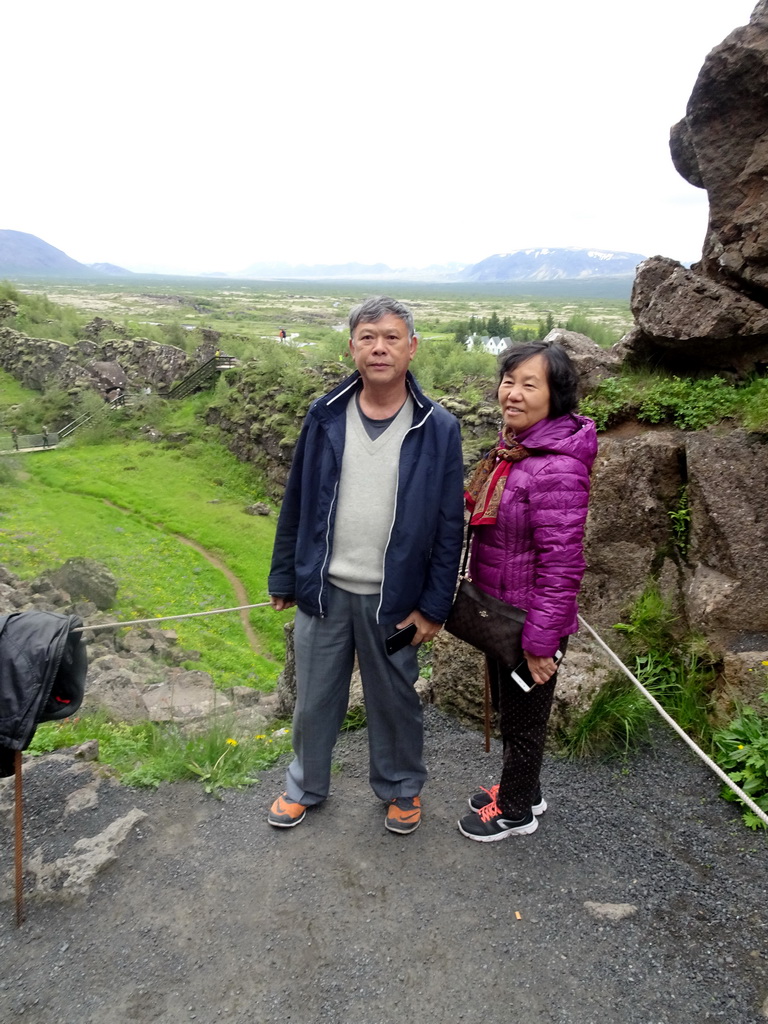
(15, 438)
(282, 334)
(44, 431)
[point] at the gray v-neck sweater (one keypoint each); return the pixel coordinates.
(366, 501)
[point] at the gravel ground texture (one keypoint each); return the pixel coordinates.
(641, 899)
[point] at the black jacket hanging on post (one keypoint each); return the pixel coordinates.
(43, 666)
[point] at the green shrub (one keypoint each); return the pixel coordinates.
(742, 752)
(753, 404)
(7, 472)
(40, 318)
(679, 673)
(54, 408)
(616, 720)
(686, 403)
(680, 518)
(689, 404)
(612, 401)
(599, 332)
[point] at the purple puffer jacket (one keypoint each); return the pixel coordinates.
(533, 555)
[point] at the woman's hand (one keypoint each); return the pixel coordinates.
(281, 603)
(542, 669)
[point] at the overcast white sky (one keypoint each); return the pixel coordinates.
(197, 137)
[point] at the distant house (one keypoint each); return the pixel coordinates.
(493, 345)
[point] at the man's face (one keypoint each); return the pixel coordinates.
(382, 350)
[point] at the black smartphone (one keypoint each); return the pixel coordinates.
(522, 674)
(400, 639)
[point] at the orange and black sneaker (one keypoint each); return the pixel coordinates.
(403, 814)
(284, 814)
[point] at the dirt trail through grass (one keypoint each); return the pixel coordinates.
(237, 586)
(240, 591)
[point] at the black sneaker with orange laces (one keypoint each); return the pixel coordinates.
(284, 814)
(403, 814)
(489, 824)
(485, 796)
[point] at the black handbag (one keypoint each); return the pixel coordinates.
(492, 626)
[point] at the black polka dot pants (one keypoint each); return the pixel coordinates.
(523, 721)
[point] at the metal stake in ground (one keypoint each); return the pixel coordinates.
(19, 842)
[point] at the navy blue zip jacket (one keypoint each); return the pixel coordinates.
(422, 555)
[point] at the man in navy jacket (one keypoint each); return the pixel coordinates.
(368, 542)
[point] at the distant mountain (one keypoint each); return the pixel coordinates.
(522, 265)
(24, 255)
(110, 269)
(29, 255)
(553, 265)
(316, 270)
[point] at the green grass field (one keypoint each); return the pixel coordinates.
(247, 312)
(124, 504)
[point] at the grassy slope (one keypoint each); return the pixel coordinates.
(11, 392)
(59, 512)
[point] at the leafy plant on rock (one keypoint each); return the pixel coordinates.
(742, 752)
(678, 672)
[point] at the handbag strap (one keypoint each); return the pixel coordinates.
(465, 561)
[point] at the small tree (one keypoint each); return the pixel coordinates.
(493, 326)
(461, 334)
(545, 326)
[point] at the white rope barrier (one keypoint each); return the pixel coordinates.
(163, 618)
(683, 735)
(614, 657)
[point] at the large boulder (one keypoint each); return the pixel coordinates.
(592, 362)
(184, 696)
(690, 324)
(722, 145)
(85, 579)
(712, 318)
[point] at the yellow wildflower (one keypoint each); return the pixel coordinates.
(231, 742)
(741, 746)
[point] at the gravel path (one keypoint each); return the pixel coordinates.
(211, 915)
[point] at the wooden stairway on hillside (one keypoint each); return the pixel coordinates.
(202, 376)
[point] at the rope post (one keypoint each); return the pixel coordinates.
(19, 842)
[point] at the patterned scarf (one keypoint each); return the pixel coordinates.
(484, 491)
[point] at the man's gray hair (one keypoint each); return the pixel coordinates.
(372, 310)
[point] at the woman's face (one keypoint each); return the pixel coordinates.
(524, 394)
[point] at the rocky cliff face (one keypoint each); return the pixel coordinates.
(714, 317)
(101, 360)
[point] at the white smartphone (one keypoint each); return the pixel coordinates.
(522, 674)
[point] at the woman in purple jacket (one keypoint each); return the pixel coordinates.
(528, 503)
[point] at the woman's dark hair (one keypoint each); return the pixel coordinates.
(562, 377)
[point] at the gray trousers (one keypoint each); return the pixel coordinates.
(325, 653)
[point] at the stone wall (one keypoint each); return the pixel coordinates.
(134, 363)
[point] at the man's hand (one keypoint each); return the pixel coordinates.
(542, 669)
(425, 628)
(281, 603)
